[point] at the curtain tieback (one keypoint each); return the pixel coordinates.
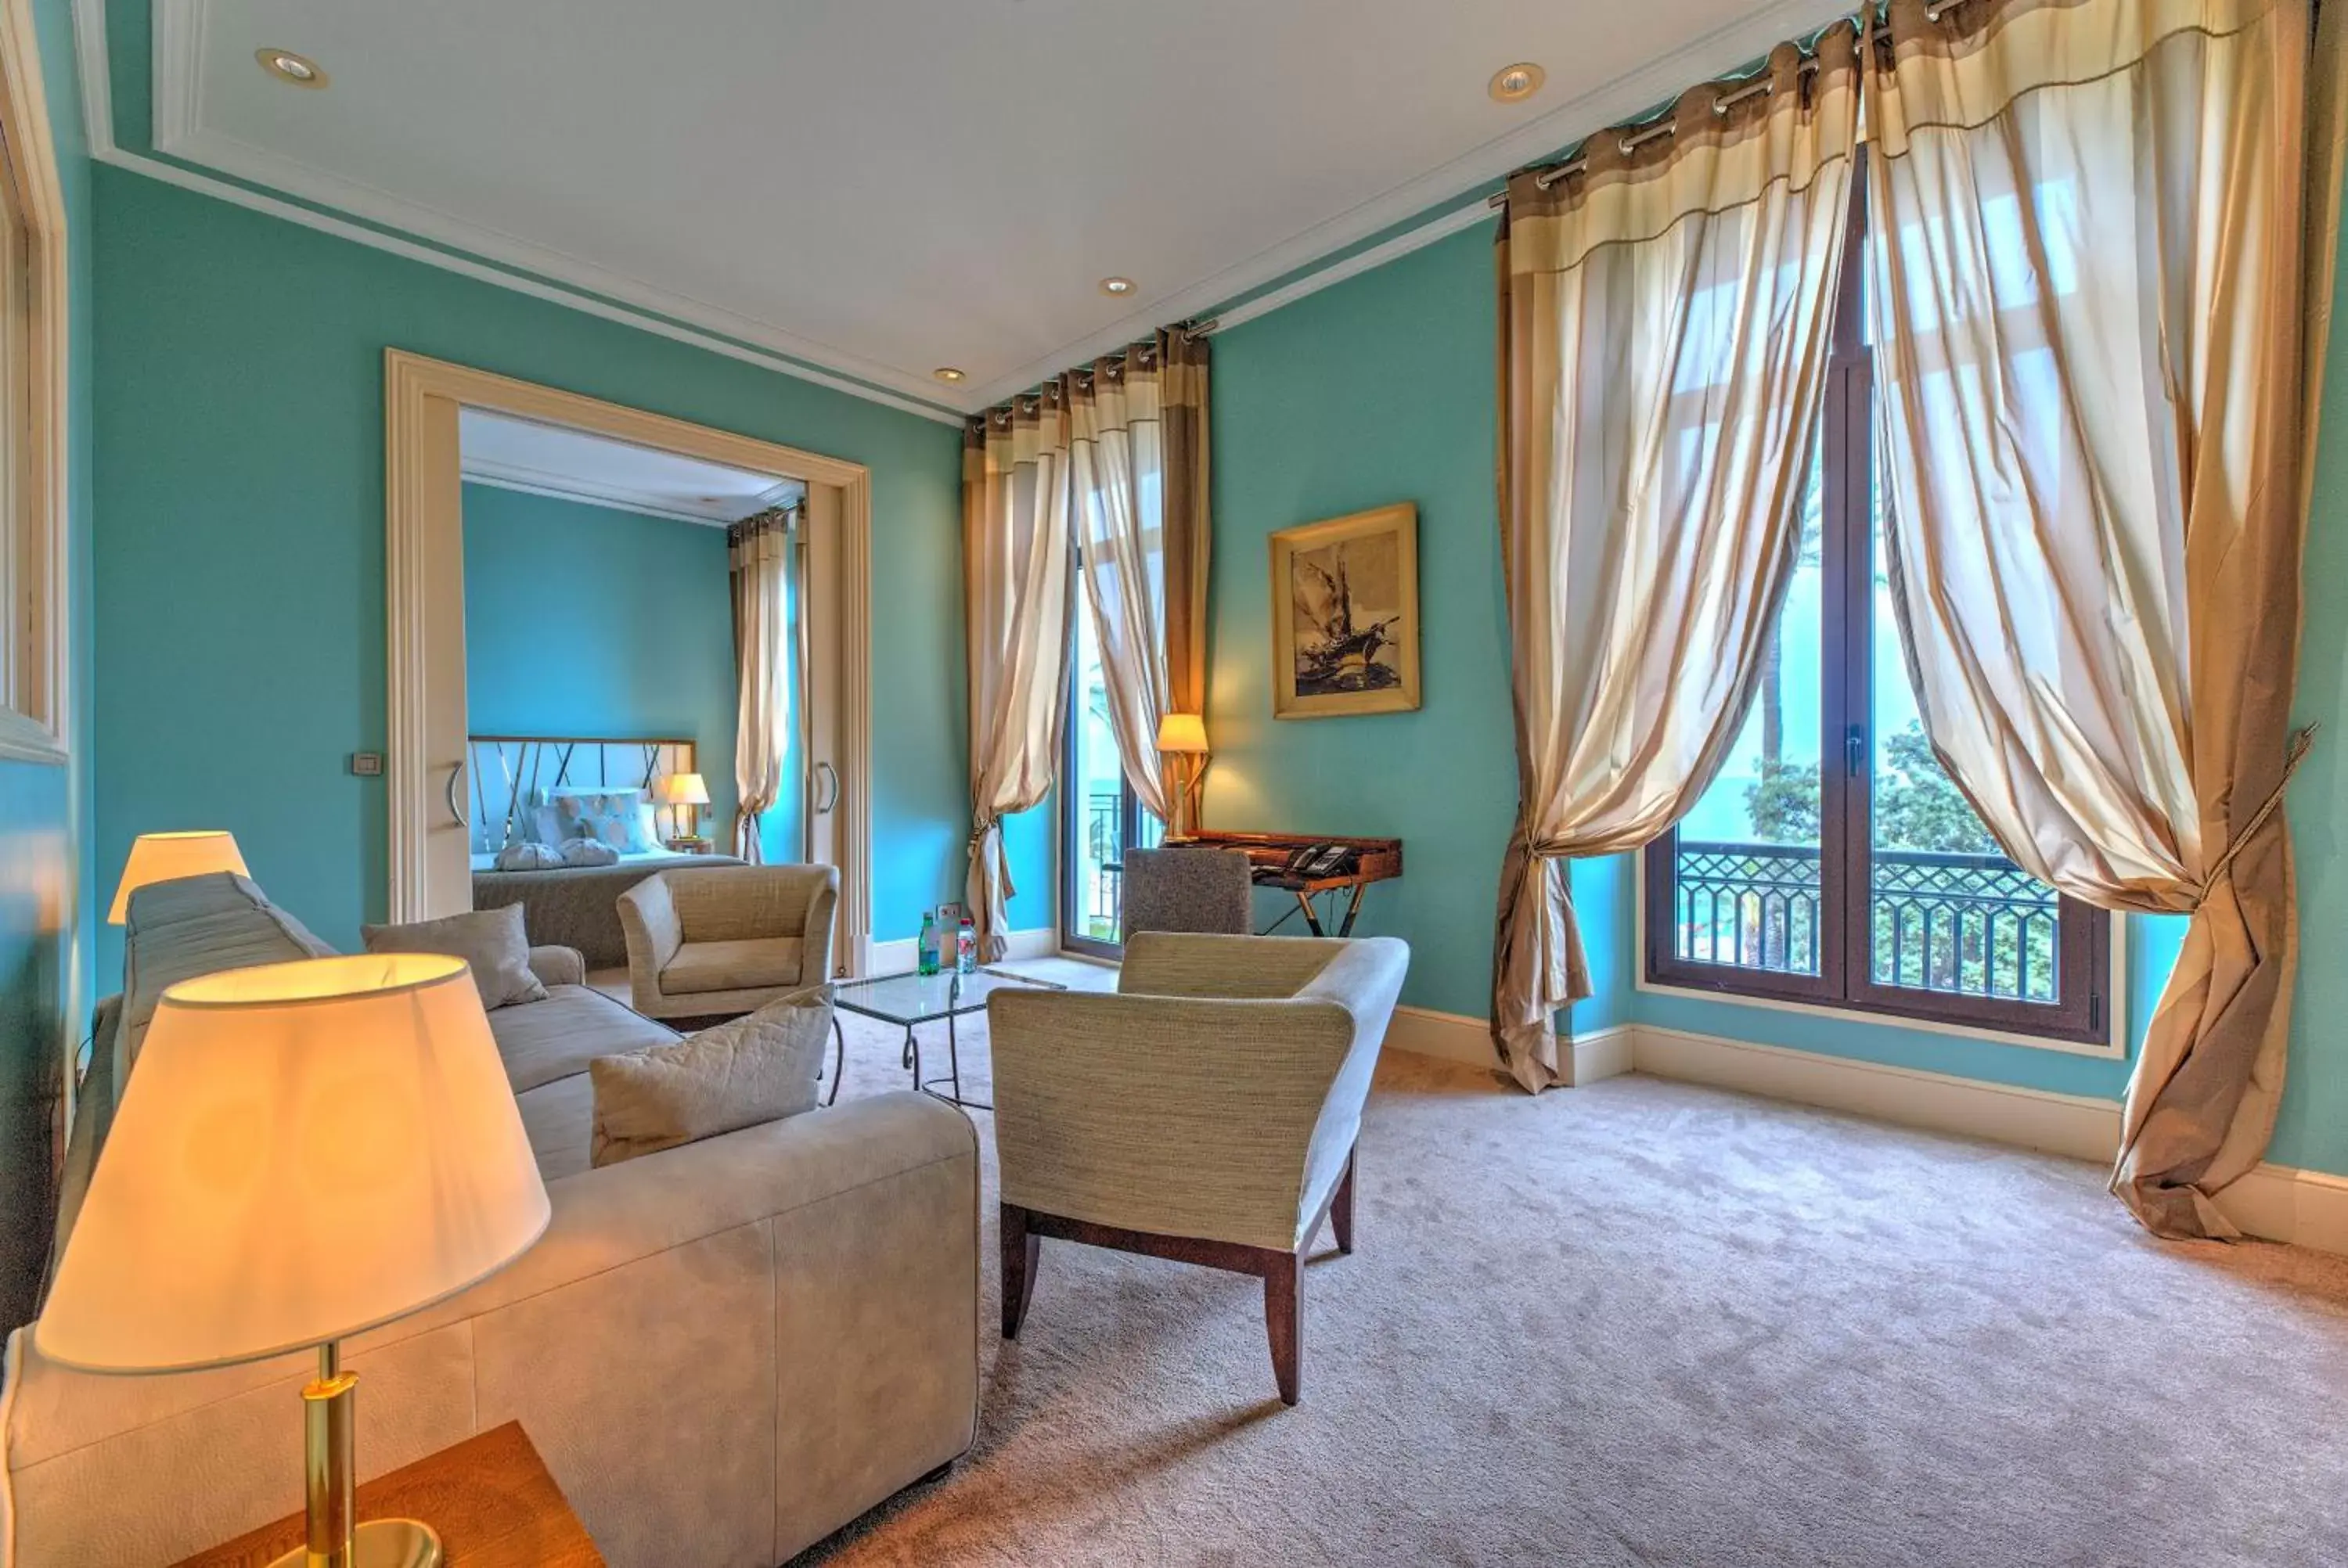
(2293, 754)
(1000, 857)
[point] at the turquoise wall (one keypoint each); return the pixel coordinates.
(589, 620)
(1375, 391)
(44, 877)
(2312, 1131)
(240, 546)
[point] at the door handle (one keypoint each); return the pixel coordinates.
(831, 800)
(456, 806)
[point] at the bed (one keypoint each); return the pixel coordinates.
(569, 905)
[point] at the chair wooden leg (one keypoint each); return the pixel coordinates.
(1341, 1211)
(1021, 1250)
(1284, 1317)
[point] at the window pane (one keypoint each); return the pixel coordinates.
(1097, 826)
(1948, 912)
(1745, 890)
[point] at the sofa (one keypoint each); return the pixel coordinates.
(723, 1352)
(709, 941)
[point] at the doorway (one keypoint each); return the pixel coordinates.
(434, 796)
(1101, 817)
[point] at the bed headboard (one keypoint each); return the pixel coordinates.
(509, 773)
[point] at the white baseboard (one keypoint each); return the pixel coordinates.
(1455, 1037)
(2278, 1202)
(900, 955)
(2076, 1125)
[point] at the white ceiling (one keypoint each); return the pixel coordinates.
(882, 186)
(548, 460)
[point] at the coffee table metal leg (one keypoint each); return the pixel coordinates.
(839, 1060)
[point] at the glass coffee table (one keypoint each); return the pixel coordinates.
(909, 1001)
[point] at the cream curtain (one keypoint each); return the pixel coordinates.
(1015, 607)
(759, 555)
(1137, 456)
(2085, 302)
(1665, 320)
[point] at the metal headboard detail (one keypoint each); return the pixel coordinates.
(511, 773)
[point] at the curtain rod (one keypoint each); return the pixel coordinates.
(1875, 27)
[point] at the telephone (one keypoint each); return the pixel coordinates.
(1315, 861)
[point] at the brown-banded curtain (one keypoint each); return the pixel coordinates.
(1665, 318)
(1137, 456)
(1015, 603)
(757, 551)
(2086, 294)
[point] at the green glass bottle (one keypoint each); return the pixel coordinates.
(926, 954)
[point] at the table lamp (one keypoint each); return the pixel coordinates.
(1184, 736)
(307, 1151)
(683, 792)
(166, 856)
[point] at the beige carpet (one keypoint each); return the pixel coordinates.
(1645, 1323)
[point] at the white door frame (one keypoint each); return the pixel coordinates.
(423, 556)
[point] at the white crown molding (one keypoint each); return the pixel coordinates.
(180, 134)
(560, 486)
(780, 495)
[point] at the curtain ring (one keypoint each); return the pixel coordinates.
(1720, 107)
(1628, 146)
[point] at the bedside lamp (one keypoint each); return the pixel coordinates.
(307, 1151)
(682, 793)
(167, 857)
(1184, 736)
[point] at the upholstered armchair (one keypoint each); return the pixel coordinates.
(711, 940)
(1188, 889)
(1206, 1112)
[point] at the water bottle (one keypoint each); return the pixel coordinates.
(926, 954)
(966, 947)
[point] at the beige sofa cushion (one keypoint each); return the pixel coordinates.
(572, 1028)
(761, 1068)
(491, 941)
(738, 966)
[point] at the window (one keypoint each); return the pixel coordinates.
(1833, 861)
(1100, 814)
(33, 646)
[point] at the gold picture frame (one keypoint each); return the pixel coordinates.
(1344, 615)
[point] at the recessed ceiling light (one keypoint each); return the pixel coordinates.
(949, 373)
(1514, 83)
(1117, 285)
(288, 67)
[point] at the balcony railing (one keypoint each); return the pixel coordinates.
(1960, 925)
(1099, 868)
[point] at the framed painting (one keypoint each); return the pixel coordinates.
(1344, 615)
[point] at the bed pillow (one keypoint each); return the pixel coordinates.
(588, 852)
(491, 940)
(758, 1068)
(528, 857)
(620, 818)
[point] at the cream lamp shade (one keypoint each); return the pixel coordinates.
(167, 857)
(1183, 733)
(682, 789)
(306, 1150)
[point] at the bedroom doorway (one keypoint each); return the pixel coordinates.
(622, 698)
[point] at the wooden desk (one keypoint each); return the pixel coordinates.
(489, 1497)
(1268, 854)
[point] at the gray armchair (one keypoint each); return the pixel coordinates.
(719, 939)
(1206, 1112)
(1186, 890)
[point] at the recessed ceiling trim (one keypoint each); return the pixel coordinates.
(552, 275)
(568, 488)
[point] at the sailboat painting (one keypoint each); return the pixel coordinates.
(1345, 604)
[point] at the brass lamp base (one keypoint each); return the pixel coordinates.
(377, 1543)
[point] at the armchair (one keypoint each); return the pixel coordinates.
(727, 940)
(1206, 1112)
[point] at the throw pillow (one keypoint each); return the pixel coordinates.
(587, 852)
(528, 857)
(491, 940)
(758, 1068)
(620, 818)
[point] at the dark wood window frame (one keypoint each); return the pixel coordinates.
(1844, 923)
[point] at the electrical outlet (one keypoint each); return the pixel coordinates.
(366, 765)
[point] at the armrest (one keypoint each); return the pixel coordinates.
(648, 919)
(559, 966)
(815, 931)
(1190, 964)
(1183, 1116)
